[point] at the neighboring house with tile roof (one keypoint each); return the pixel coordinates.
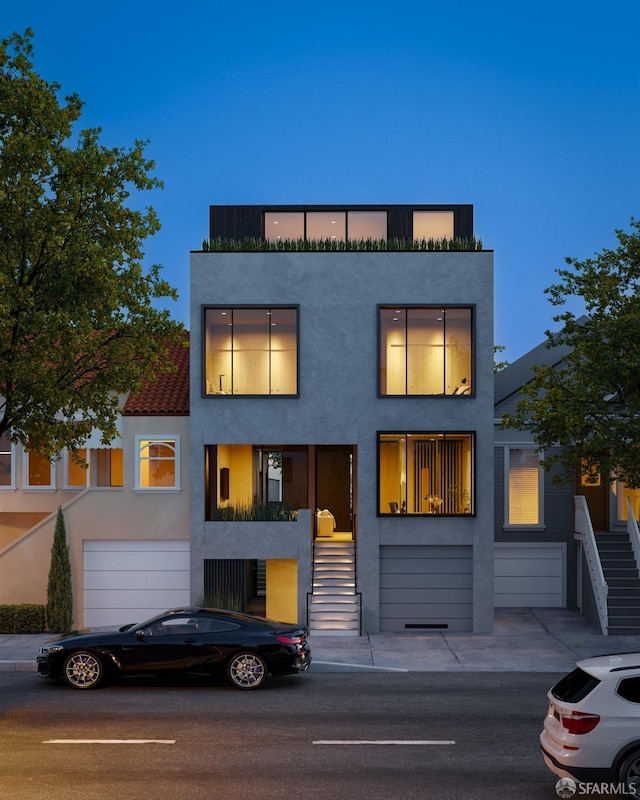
(126, 513)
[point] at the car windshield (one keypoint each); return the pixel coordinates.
(575, 686)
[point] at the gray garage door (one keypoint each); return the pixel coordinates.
(426, 587)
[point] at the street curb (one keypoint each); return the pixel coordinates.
(18, 666)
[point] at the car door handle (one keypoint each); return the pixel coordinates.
(190, 640)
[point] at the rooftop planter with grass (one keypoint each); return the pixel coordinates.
(250, 244)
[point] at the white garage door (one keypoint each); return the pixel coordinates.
(130, 581)
(530, 574)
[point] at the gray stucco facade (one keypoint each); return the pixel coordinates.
(337, 295)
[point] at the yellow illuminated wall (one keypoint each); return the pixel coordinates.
(282, 589)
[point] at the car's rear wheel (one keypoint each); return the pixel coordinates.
(83, 670)
(629, 773)
(247, 670)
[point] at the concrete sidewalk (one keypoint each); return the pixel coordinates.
(523, 640)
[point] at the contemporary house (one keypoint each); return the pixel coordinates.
(561, 546)
(341, 417)
(125, 508)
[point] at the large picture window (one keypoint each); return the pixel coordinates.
(425, 350)
(251, 351)
(523, 481)
(425, 473)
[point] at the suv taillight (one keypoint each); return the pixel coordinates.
(579, 721)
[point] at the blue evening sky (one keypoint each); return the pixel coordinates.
(531, 112)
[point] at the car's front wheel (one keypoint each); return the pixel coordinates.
(247, 671)
(83, 670)
(629, 773)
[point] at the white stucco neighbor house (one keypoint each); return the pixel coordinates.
(126, 514)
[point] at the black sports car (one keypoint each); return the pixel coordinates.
(192, 640)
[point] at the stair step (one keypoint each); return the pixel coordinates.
(614, 631)
(333, 566)
(624, 591)
(615, 547)
(620, 572)
(333, 622)
(616, 610)
(611, 537)
(334, 632)
(617, 558)
(347, 599)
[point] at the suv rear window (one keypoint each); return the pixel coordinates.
(575, 686)
(629, 689)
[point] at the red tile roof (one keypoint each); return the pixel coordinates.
(169, 394)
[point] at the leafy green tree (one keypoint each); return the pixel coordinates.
(59, 591)
(589, 405)
(77, 318)
(498, 366)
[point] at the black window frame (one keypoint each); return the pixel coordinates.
(460, 390)
(246, 306)
(399, 513)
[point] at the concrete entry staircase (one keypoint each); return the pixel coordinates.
(622, 577)
(334, 605)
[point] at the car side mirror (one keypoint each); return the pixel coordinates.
(139, 635)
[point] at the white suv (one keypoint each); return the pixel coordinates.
(592, 728)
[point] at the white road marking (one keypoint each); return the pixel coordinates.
(383, 741)
(109, 741)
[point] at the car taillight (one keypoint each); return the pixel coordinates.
(290, 639)
(579, 721)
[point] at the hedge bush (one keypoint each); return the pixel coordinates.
(22, 618)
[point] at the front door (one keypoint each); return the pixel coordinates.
(335, 486)
(595, 490)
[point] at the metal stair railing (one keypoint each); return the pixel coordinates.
(634, 534)
(584, 527)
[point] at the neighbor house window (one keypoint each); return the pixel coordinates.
(251, 350)
(39, 472)
(425, 473)
(106, 466)
(7, 462)
(523, 486)
(158, 463)
(624, 494)
(76, 473)
(425, 350)
(102, 467)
